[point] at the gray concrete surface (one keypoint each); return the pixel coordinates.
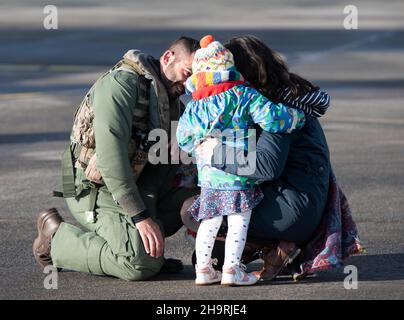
(44, 74)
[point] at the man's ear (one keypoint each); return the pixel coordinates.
(167, 57)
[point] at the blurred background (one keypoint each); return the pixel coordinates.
(45, 73)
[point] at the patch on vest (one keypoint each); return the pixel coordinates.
(83, 133)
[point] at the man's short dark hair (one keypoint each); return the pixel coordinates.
(189, 44)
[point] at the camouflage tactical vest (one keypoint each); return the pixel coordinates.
(82, 135)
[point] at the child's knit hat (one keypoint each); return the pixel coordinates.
(212, 56)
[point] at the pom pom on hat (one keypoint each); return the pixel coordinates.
(206, 40)
(212, 56)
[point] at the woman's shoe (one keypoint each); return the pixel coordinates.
(237, 276)
(253, 250)
(206, 275)
(276, 259)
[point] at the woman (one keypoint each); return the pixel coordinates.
(295, 168)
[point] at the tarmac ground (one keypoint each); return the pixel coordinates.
(45, 73)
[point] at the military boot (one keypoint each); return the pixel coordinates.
(48, 223)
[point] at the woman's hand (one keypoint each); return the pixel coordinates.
(205, 149)
(92, 173)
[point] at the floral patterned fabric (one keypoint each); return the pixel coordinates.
(212, 203)
(335, 239)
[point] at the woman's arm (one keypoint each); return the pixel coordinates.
(271, 155)
(314, 103)
(273, 117)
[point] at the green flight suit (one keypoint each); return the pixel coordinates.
(111, 245)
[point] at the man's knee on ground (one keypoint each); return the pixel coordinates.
(140, 269)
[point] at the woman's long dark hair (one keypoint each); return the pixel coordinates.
(265, 69)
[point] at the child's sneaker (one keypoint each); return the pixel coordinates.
(207, 274)
(237, 276)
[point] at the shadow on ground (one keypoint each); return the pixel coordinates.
(379, 267)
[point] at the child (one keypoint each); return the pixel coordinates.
(222, 100)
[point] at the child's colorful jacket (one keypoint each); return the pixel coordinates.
(223, 101)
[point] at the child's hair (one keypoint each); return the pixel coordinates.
(265, 69)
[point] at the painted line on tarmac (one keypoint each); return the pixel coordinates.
(315, 57)
(50, 68)
(364, 120)
(53, 155)
(10, 220)
(6, 96)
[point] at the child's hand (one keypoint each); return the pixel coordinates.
(205, 149)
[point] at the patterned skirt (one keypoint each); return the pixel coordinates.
(213, 202)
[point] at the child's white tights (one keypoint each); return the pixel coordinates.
(235, 240)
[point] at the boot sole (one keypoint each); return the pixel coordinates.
(37, 241)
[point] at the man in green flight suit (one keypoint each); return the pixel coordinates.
(126, 204)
